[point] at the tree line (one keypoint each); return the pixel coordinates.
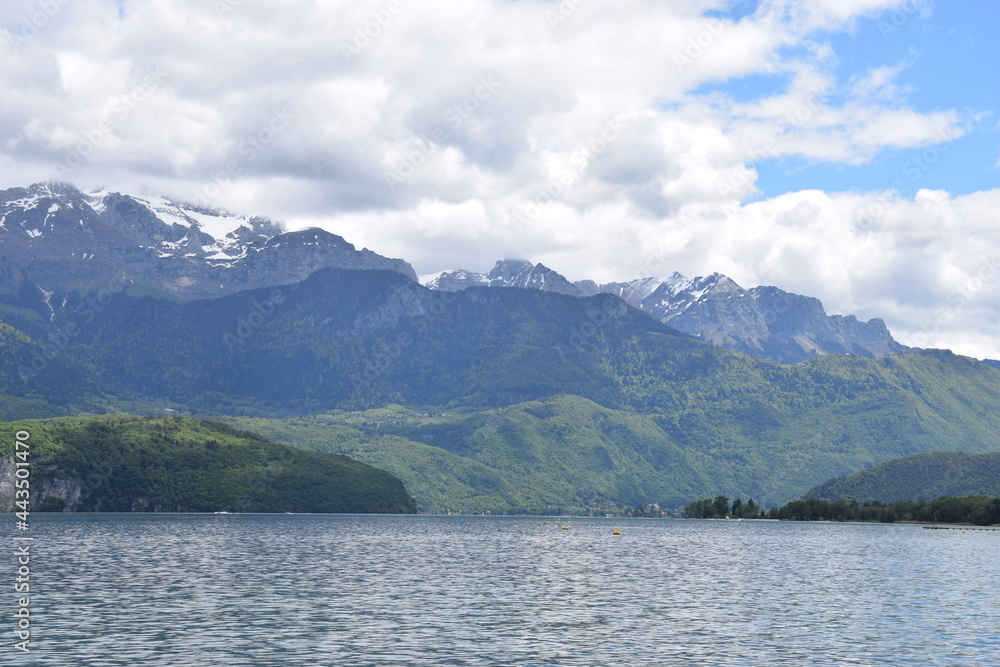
(720, 508)
(978, 510)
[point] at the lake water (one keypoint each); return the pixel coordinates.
(192, 590)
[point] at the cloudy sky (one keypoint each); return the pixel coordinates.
(844, 149)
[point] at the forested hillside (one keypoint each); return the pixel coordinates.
(127, 464)
(920, 476)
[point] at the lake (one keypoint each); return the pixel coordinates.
(435, 590)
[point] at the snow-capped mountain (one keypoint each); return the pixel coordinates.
(763, 321)
(521, 273)
(59, 239)
(663, 298)
(506, 273)
(453, 281)
(175, 229)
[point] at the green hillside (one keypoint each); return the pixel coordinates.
(920, 476)
(563, 452)
(567, 451)
(124, 463)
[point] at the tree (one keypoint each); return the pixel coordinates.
(695, 509)
(707, 509)
(721, 506)
(839, 510)
(738, 508)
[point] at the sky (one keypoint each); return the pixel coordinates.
(843, 149)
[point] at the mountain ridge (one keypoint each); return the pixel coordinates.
(762, 321)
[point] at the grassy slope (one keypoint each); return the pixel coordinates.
(438, 480)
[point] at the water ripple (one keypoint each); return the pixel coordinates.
(186, 590)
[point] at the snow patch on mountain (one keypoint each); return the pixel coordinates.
(429, 279)
(228, 233)
(453, 280)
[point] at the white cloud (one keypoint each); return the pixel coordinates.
(452, 134)
(878, 84)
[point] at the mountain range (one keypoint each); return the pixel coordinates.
(531, 382)
(56, 240)
(513, 399)
(763, 321)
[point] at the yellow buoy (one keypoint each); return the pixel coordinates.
(565, 527)
(545, 522)
(616, 532)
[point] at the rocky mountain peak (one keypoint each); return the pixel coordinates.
(63, 240)
(311, 236)
(505, 273)
(454, 281)
(510, 270)
(521, 273)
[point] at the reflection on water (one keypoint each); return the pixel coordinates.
(419, 590)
